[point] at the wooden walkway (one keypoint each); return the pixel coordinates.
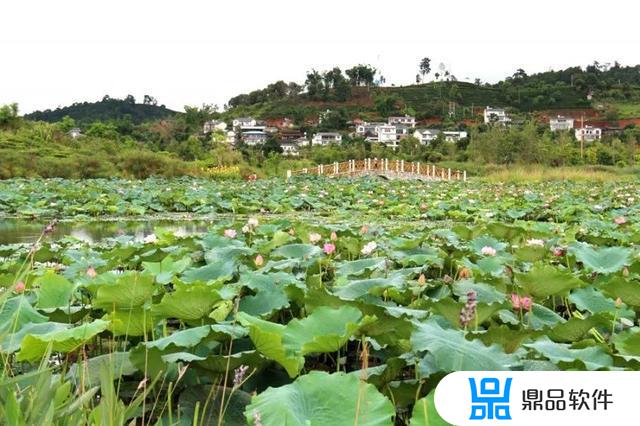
(392, 169)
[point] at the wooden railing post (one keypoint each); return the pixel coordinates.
(402, 166)
(321, 169)
(464, 175)
(433, 170)
(418, 167)
(305, 170)
(449, 174)
(335, 168)
(288, 174)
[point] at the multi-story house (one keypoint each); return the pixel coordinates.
(406, 120)
(588, 133)
(495, 116)
(326, 138)
(560, 123)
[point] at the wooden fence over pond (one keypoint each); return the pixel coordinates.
(392, 169)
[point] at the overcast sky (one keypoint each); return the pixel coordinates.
(190, 52)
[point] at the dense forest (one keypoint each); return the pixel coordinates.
(107, 109)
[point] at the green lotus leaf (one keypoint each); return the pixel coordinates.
(297, 251)
(451, 351)
(55, 291)
(130, 322)
(308, 401)
(325, 330)
(605, 260)
(129, 291)
(594, 357)
(627, 291)
(34, 347)
(592, 300)
(216, 271)
(425, 413)
(358, 267)
(16, 312)
(188, 301)
(168, 268)
(11, 342)
(546, 280)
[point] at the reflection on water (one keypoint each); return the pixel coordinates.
(21, 231)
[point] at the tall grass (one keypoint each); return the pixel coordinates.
(534, 173)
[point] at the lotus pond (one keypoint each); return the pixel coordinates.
(316, 301)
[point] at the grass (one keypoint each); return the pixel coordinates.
(532, 174)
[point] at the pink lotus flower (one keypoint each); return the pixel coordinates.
(521, 302)
(314, 237)
(488, 251)
(91, 272)
(535, 242)
(20, 287)
(369, 248)
(620, 220)
(364, 229)
(329, 249)
(334, 236)
(230, 233)
(259, 261)
(558, 252)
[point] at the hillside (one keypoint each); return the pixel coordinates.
(573, 88)
(108, 109)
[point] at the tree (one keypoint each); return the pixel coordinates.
(425, 67)
(271, 146)
(130, 99)
(9, 115)
(361, 75)
(385, 104)
(314, 84)
(149, 100)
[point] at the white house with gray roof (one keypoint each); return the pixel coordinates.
(326, 138)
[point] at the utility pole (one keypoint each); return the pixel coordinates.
(582, 137)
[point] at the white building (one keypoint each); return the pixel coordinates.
(254, 137)
(326, 138)
(560, 123)
(495, 115)
(588, 133)
(369, 129)
(231, 137)
(406, 120)
(290, 149)
(212, 125)
(75, 132)
(454, 135)
(244, 122)
(387, 133)
(425, 136)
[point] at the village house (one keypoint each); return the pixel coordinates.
(495, 116)
(406, 120)
(588, 133)
(212, 125)
(244, 122)
(75, 132)
(280, 123)
(368, 129)
(425, 136)
(254, 137)
(326, 138)
(302, 141)
(289, 135)
(454, 135)
(289, 149)
(560, 123)
(231, 137)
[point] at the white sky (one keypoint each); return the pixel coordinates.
(190, 52)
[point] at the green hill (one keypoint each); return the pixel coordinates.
(108, 109)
